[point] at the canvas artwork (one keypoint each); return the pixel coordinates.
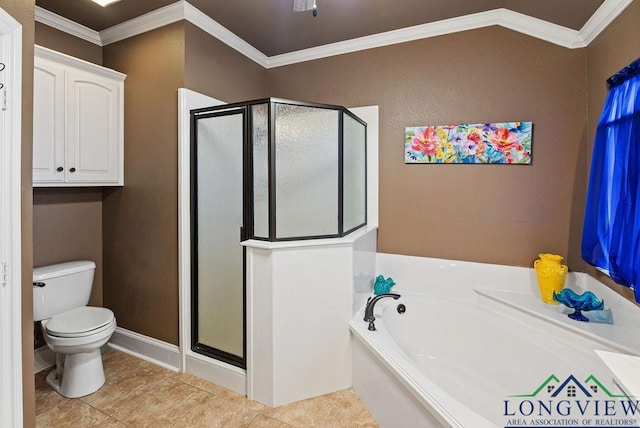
(484, 143)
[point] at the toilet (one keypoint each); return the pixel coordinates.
(73, 330)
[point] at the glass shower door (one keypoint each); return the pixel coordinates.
(218, 308)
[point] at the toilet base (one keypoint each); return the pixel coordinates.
(77, 375)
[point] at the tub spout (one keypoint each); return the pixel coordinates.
(368, 311)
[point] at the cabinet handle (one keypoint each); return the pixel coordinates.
(59, 169)
(72, 170)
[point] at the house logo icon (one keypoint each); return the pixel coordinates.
(571, 403)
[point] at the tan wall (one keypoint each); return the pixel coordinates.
(215, 69)
(23, 12)
(67, 223)
(485, 213)
(139, 221)
(60, 41)
(617, 46)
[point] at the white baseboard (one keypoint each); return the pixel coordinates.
(223, 374)
(43, 358)
(165, 355)
(147, 348)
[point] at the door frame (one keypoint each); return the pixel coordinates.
(10, 224)
(216, 371)
(196, 346)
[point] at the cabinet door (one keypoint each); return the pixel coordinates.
(48, 122)
(93, 129)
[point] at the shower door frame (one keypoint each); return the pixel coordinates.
(249, 215)
(247, 180)
(211, 369)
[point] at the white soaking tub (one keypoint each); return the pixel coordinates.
(455, 355)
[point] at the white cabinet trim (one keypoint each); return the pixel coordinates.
(70, 61)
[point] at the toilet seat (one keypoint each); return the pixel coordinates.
(80, 322)
(79, 343)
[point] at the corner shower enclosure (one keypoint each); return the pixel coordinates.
(268, 170)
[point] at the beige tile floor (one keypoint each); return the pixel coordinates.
(141, 394)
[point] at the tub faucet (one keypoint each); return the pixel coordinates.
(368, 311)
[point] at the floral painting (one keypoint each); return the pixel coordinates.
(506, 143)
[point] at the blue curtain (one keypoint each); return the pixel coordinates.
(611, 234)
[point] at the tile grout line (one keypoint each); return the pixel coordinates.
(220, 397)
(149, 386)
(195, 405)
(260, 413)
(54, 407)
(104, 413)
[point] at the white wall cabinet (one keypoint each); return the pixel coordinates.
(78, 122)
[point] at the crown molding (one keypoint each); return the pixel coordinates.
(182, 10)
(61, 23)
(447, 26)
(538, 28)
(215, 29)
(515, 21)
(149, 21)
(606, 13)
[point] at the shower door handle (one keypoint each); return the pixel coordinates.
(242, 236)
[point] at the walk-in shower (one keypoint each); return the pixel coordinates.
(270, 170)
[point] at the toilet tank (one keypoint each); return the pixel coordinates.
(66, 286)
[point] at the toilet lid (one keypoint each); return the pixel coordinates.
(78, 321)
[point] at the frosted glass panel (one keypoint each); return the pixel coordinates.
(261, 170)
(306, 171)
(354, 178)
(219, 218)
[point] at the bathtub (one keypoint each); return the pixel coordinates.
(456, 354)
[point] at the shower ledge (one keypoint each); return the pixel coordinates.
(302, 243)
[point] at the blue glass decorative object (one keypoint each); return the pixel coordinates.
(382, 285)
(586, 301)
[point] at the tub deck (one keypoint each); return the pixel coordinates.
(461, 353)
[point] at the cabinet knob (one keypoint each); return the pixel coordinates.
(59, 169)
(72, 170)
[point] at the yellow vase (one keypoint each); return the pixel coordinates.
(551, 275)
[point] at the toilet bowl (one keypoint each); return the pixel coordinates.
(75, 332)
(76, 339)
